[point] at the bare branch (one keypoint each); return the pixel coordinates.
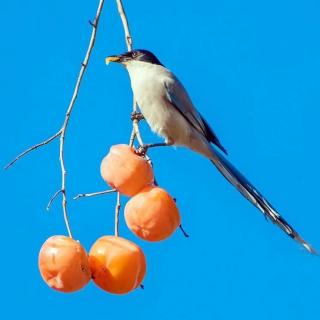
(116, 217)
(129, 43)
(125, 24)
(53, 198)
(36, 146)
(99, 193)
(62, 132)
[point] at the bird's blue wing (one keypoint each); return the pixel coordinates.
(179, 99)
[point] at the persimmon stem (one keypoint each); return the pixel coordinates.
(116, 217)
(183, 231)
(135, 133)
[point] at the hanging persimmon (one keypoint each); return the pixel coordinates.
(152, 214)
(117, 265)
(125, 170)
(63, 264)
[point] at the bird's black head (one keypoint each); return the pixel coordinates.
(136, 55)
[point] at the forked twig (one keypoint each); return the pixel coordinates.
(62, 132)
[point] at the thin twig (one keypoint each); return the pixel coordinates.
(125, 24)
(135, 125)
(135, 128)
(129, 43)
(52, 199)
(116, 216)
(84, 65)
(36, 146)
(132, 137)
(99, 193)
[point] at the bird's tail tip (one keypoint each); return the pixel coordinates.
(306, 245)
(256, 198)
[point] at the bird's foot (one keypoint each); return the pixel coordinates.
(136, 116)
(142, 150)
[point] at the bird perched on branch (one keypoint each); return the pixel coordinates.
(169, 111)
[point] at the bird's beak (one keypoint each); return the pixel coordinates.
(113, 59)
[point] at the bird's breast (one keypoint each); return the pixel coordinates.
(150, 98)
(150, 94)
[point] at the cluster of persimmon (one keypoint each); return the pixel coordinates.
(115, 264)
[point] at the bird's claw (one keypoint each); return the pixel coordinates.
(136, 116)
(142, 150)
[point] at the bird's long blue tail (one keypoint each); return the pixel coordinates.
(255, 197)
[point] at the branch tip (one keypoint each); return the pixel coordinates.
(53, 198)
(92, 24)
(99, 193)
(34, 147)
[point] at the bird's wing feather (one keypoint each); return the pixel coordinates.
(179, 98)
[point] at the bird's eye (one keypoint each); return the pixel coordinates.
(134, 54)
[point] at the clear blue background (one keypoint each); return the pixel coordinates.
(252, 68)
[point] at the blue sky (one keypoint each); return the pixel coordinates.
(252, 69)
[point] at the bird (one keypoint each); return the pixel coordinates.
(168, 109)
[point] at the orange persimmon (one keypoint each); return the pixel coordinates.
(117, 265)
(152, 214)
(63, 264)
(126, 171)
